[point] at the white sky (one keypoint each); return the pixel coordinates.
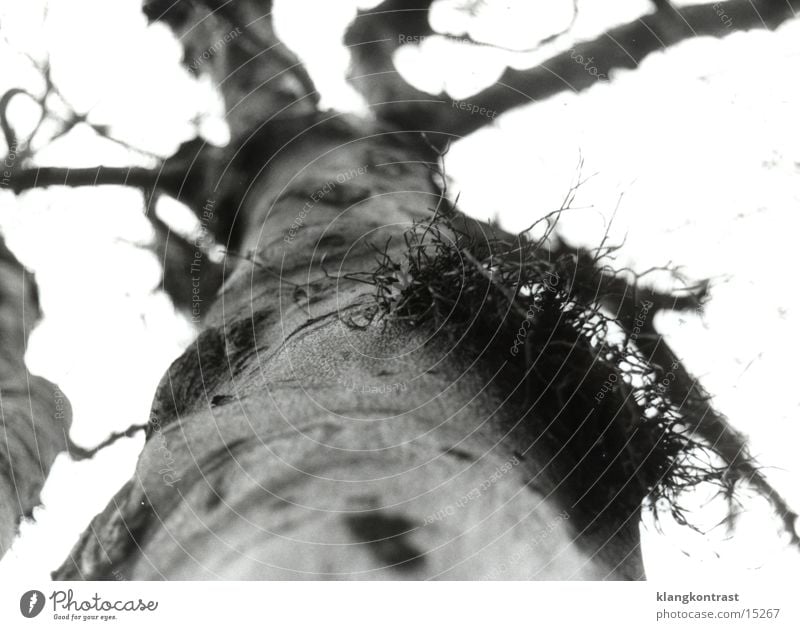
(702, 140)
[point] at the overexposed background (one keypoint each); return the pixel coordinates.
(699, 147)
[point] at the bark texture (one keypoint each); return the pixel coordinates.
(295, 439)
(34, 414)
(301, 437)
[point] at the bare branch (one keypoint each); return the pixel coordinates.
(8, 130)
(547, 40)
(35, 414)
(621, 48)
(137, 177)
(235, 44)
(373, 38)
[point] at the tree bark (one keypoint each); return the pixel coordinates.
(300, 436)
(294, 439)
(34, 414)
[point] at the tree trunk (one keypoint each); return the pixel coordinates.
(303, 436)
(296, 438)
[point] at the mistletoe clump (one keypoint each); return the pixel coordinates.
(596, 392)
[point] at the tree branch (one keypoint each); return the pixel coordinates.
(184, 175)
(8, 131)
(372, 39)
(35, 414)
(136, 177)
(621, 48)
(236, 45)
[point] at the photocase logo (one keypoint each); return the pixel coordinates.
(31, 603)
